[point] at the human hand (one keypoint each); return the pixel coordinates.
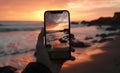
(43, 57)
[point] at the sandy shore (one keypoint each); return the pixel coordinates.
(104, 59)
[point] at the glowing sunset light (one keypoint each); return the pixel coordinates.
(58, 26)
(33, 10)
(38, 14)
(84, 56)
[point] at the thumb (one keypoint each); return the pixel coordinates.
(40, 41)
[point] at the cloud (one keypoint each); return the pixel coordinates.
(76, 7)
(29, 5)
(32, 4)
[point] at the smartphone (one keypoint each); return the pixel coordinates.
(57, 34)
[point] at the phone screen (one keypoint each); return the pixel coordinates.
(57, 37)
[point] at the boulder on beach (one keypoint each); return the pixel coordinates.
(94, 41)
(72, 36)
(102, 35)
(88, 38)
(62, 40)
(111, 29)
(8, 69)
(66, 37)
(79, 44)
(104, 40)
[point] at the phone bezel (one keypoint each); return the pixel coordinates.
(57, 11)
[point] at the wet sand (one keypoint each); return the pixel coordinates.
(104, 59)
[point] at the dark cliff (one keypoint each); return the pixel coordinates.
(115, 20)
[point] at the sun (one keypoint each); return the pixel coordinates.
(38, 14)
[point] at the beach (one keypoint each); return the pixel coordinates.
(17, 47)
(103, 59)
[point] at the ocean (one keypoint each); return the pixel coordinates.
(18, 40)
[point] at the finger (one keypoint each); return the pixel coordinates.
(40, 42)
(72, 58)
(42, 32)
(41, 37)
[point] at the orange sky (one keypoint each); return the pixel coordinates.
(33, 10)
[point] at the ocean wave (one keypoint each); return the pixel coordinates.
(2, 25)
(15, 53)
(18, 29)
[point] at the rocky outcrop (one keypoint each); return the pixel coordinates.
(76, 23)
(85, 22)
(88, 38)
(105, 39)
(115, 20)
(79, 44)
(116, 16)
(103, 35)
(111, 29)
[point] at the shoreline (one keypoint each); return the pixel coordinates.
(104, 59)
(85, 61)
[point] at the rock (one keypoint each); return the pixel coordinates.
(79, 44)
(75, 23)
(102, 35)
(62, 40)
(116, 16)
(65, 30)
(67, 37)
(111, 29)
(114, 21)
(76, 43)
(104, 40)
(72, 36)
(8, 69)
(94, 41)
(87, 38)
(84, 22)
(100, 21)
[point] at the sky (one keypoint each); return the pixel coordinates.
(56, 21)
(33, 10)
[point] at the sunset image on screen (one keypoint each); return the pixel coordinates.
(57, 30)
